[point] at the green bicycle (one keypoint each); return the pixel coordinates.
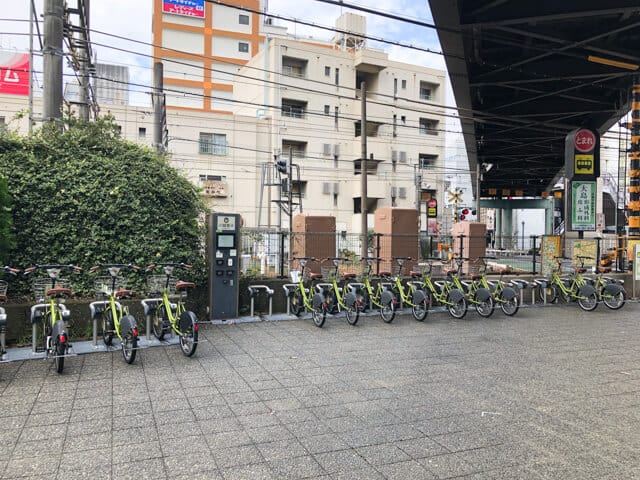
(573, 288)
(610, 290)
(380, 297)
(302, 298)
(478, 296)
(50, 293)
(167, 315)
(444, 293)
(412, 296)
(503, 295)
(343, 297)
(116, 320)
(3, 314)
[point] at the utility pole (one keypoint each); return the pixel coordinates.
(290, 190)
(417, 177)
(478, 186)
(364, 227)
(52, 61)
(84, 60)
(158, 106)
(31, 21)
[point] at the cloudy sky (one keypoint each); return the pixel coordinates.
(132, 20)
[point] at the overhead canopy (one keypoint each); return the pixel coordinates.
(525, 73)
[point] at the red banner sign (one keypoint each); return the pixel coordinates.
(14, 73)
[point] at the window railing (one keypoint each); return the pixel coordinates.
(293, 111)
(213, 149)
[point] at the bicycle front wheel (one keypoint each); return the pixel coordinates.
(107, 328)
(189, 337)
(296, 303)
(548, 294)
(614, 301)
(158, 322)
(588, 302)
(129, 347)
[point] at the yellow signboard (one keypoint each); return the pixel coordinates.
(549, 249)
(583, 164)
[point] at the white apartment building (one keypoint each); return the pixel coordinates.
(303, 97)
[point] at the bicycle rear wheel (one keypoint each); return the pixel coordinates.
(319, 315)
(353, 314)
(588, 302)
(189, 337)
(510, 307)
(420, 310)
(129, 347)
(549, 293)
(59, 350)
(614, 301)
(485, 307)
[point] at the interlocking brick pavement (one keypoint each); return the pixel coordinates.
(552, 393)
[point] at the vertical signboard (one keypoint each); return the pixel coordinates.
(549, 249)
(189, 8)
(14, 73)
(583, 206)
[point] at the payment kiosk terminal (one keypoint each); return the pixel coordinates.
(224, 261)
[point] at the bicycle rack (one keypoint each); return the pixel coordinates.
(3, 330)
(255, 290)
(150, 305)
(521, 285)
(542, 283)
(289, 288)
(97, 309)
(37, 316)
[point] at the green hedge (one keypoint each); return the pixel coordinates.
(86, 196)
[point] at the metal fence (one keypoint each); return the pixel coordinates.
(271, 254)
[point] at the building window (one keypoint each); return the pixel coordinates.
(298, 149)
(404, 84)
(327, 109)
(395, 87)
(427, 161)
(395, 125)
(337, 76)
(213, 144)
(243, 47)
(428, 127)
(403, 119)
(327, 71)
(294, 67)
(426, 91)
(335, 117)
(142, 132)
(243, 19)
(293, 108)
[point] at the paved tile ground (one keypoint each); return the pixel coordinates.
(550, 394)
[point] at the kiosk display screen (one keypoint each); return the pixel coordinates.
(226, 241)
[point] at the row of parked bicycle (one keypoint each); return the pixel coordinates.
(331, 293)
(166, 305)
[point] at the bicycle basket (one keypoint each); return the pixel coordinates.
(158, 283)
(328, 273)
(41, 285)
(103, 285)
(3, 287)
(295, 276)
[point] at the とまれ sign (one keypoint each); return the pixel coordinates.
(582, 154)
(432, 208)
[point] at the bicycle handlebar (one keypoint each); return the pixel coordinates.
(118, 265)
(70, 266)
(185, 266)
(313, 259)
(11, 270)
